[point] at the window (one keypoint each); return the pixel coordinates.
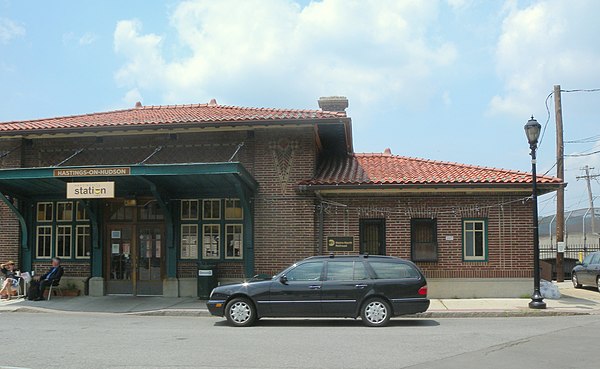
(211, 209)
(43, 242)
(63, 241)
(423, 236)
(372, 236)
(233, 241)
(150, 211)
(310, 271)
(81, 212)
(596, 259)
(64, 211)
(474, 240)
(233, 209)
(346, 271)
(387, 270)
(211, 234)
(118, 211)
(44, 211)
(588, 259)
(189, 241)
(83, 242)
(189, 209)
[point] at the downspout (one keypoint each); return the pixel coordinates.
(320, 225)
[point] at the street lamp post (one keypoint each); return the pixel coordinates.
(532, 130)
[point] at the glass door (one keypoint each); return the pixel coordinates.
(149, 264)
(120, 259)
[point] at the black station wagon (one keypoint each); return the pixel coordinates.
(372, 287)
(588, 272)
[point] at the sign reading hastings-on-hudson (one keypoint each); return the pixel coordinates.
(92, 172)
(90, 190)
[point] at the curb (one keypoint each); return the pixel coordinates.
(496, 314)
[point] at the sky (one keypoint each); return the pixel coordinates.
(451, 80)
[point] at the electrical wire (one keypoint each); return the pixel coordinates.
(582, 90)
(547, 119)
(583, 154)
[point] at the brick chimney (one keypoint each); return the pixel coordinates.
(333, 103)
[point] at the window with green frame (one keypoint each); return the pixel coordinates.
(62, 229)
(475, 246)
(217, 230)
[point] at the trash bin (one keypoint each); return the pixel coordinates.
(207, 280)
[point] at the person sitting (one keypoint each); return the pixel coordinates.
(12, 279)
(40, 283)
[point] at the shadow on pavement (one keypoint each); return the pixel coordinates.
(283, 323)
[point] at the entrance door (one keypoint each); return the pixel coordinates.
(372, 236)
(149, 265)
(135, 259)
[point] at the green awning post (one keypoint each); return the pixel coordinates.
(169, 228)
(248, 229)
(96, 257)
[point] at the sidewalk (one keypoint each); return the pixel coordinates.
(572, 302)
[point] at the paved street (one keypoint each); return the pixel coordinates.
(88, 340)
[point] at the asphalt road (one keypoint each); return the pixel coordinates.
(76, 340)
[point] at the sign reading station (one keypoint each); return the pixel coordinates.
(90, 190)
(92, 172)
(340, 243)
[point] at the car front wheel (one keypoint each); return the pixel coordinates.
(376, 312)
(575, 281)
(240, 312)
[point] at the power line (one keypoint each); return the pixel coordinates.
(586, 154)
(583, 90)
(547, 119)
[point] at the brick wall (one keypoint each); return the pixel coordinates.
(509, 230)
(72, 269)
(284, 219)
(10, 237)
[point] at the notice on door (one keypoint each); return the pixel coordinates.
(90, 190)
(340, 243)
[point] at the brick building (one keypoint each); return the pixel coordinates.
(250, 190)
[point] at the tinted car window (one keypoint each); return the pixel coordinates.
(588, 259)
(306, 272)
(385, 270)
(596, 259)
(345, 271)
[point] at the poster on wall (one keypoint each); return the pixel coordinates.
(340, 243)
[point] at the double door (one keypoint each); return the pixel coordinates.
(135, 261)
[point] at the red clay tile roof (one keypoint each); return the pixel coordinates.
(386, 169)
(168, 114)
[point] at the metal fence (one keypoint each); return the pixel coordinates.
(572, 254)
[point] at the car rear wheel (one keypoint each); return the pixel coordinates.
(240, 312)
(376, 312)
(575, 281)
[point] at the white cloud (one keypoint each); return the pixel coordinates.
(9, 29)
(372, 51)
(85, 39)
(550, 42)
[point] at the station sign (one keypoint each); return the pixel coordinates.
(92, 172)
(90, 190)
(340, 243)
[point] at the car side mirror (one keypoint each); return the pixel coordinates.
(283, 279)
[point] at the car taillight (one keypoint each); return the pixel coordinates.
(423, 290)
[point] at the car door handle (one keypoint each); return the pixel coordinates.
(315, 287)
(360, 286)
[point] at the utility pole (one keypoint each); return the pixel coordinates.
(560, 194)
(588, 178)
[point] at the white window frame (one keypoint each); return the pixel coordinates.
(69, 247)
(241, 208)
(484, 231)
(189, 202)
(85, 234)
(63, 203)
(211, 201)
(37, 241)
(78, 206)
(241, 256)
(218, 256)
(190, 255)
(37, 211)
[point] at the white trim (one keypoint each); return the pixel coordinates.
(88, 234)
(190, 255)
(241, 256)
(225, 209)
(37, 241)
(218, 226)
(58, 203)
(68, 247)
(212, 201)
(37, 211)
(473, 232)
(189, 209)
